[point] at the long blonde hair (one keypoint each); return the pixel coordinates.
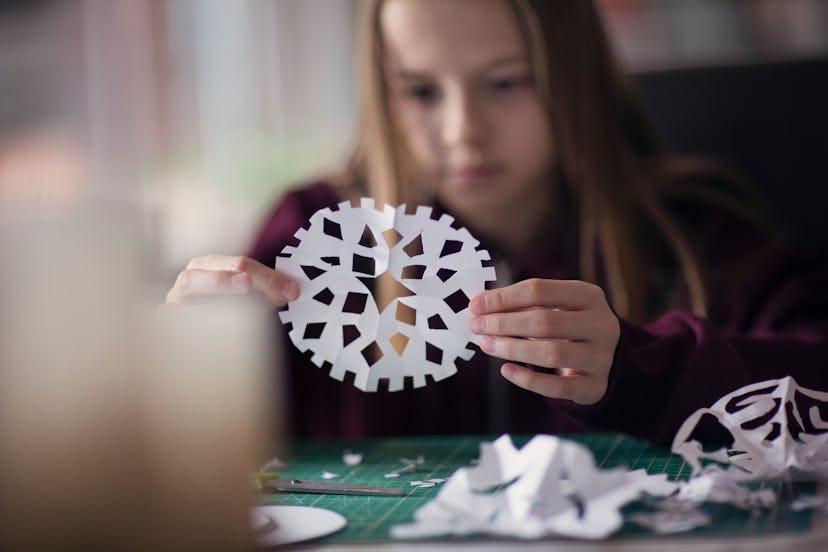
(614, 168)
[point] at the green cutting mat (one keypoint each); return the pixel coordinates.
(370, 517)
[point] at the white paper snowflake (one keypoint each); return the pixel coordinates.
(336, 317)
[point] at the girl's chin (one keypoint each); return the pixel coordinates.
(473, 202)
(472, 181)
(484, 189)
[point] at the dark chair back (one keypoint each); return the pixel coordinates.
(768, 121)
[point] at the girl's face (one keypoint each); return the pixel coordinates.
(462, 94)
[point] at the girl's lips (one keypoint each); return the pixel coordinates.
(474, 173)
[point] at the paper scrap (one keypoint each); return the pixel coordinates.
(777, 429)
(422, 484)
(336, 317)
(409, 466)
(329, 475)
(352, 458)
(809, 502)
(551, 486)
(673, 520)
(272, 464)
(713, 484)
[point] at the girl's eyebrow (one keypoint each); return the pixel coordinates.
(407, 74)
(506, 60)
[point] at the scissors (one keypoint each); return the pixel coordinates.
(327, 487)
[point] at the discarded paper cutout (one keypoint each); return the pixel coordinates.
(778, 430)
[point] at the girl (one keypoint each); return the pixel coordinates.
(643, 288)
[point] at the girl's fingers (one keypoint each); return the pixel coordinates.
(278, 287)
(212, 262)
(562, 324)
(219, 274)
(580, 388)
(539, 322)
(264, 278)
(192, 283)
(548, 353)
(560, 294)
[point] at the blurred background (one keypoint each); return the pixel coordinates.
(660, 34)
(205, 110)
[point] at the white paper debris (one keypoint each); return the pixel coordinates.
(713, 484)
(329, 475)
(336, 317)
(809, 502)
(409, 466)
(273, 464)
(777, 431)
(549, 487)
(552, 487)
(673, 520)
(352, 458)
(422, 484)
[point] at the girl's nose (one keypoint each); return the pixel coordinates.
(462, 120)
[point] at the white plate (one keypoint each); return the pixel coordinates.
(274, 525)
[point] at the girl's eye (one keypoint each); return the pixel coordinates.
(508, 84)
(422, 93)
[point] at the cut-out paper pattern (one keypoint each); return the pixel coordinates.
(779, 429)
(414, 337)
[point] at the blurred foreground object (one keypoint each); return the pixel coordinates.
(41, 170)
(118, 434)
(208, 421)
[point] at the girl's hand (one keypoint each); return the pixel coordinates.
(563, 324)
(220, 275)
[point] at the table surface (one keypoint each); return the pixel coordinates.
(370, 517)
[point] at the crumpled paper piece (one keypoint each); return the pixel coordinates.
(672, 516)
(551, 486)
(713, 484)
(777, 428)
(336, 317)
